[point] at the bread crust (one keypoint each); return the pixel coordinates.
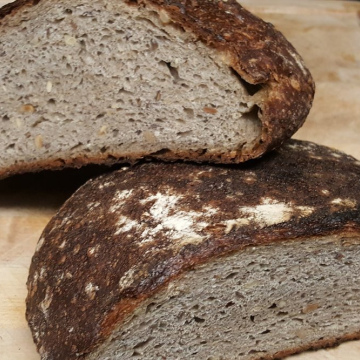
(253, 48)
(298, 177)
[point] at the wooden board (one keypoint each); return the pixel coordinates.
(326, 33)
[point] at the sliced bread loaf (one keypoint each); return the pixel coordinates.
(176, 261)
(115, 81)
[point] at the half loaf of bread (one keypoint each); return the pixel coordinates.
(115, 81)
(176, 261)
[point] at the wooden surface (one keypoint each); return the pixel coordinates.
(326, 33)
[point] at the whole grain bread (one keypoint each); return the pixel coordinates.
(175, 261)
(115, 81)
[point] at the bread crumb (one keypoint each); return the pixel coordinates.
(103, 130)
(70, 40)
(27, 109)
(39, 142)
(310, 308)
(18, 123)
(164, 17)
(210, 110)
(49, 86)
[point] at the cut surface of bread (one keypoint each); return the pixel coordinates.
(106, 81)
(169, 261)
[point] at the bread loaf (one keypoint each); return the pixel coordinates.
(176, 261)
(115, 81)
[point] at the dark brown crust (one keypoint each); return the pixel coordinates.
(12, 7)
(254, 49)
(300, 175)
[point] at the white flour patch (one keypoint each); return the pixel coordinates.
(90, 290)
(93, 205)
(45, 304)
(125, 224)
(105, 185)
(346, 203)
(62, 245)
(175, 225)
(39, 244)
(127, 279)
(269, 212)
(299, 62)
(336, 155)
(119, 198)
(235, 224)
(162, 205)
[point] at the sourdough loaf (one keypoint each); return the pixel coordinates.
(175, 261)
(115, 81)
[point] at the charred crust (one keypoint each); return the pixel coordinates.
(105, 270)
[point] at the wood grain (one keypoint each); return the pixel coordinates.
(326, 33)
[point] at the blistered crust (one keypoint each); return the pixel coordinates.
(284, 88)
(122, 237)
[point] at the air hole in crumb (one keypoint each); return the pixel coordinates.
(184, 133)
(68, 11)
(5, 118)
(265, 331)
(230, 276)
(76, 146)
(189, 112)
(253, 114)
(230, 303)
(173, 71)
(101, 115)
(150, 307)
(252, 318)
(142, 344)
(273, 306)
(250, 88)
(160, 152)
(199, 320)
(153, 45)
